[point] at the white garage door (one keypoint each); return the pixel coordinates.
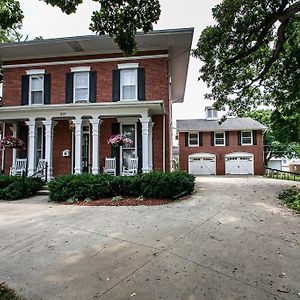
(202, 164)
(239, 163)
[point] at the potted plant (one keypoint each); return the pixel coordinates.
(119, 140)
(11, 142)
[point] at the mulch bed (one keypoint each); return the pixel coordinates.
(127, 201)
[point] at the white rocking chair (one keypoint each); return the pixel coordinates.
(40, 170)
(110, 166)
(19, 167)
(132, 168)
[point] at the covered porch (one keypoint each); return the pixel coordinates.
(72, 138)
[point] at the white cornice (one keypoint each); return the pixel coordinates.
(84, 61)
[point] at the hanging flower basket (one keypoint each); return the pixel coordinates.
(119, 140)
(11, 142)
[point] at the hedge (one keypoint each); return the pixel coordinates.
(14, 187)
(150, 185)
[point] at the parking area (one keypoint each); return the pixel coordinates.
(231, 240)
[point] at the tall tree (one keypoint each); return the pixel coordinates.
(252, 57)
(121, 19)
(272, 146)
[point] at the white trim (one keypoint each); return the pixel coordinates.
(224, 137)
(35, 72)
(202, 155)
(247, 144)
(239, 154)
(80, 69)
(191, 145)
(128, 66)
(68, 62)
(42, 90)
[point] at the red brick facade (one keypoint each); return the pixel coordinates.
(156, 88)
(221, 151)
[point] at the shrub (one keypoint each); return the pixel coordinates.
(19, 188)
(291, 196)
(153, 185)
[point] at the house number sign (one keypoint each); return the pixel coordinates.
(62, 114)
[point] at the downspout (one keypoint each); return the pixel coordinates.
(164, 142)
(3, 150)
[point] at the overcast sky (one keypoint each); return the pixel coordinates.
(48, 22)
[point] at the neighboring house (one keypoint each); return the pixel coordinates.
(208, 148)
(65, 97)
(294, 166)
(276, 163)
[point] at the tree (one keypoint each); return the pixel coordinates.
(252, 57)
(272, 146)
(121, 19)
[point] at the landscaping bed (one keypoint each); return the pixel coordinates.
(154, 185)
(291, 197)
(7, 293)
(15, 187)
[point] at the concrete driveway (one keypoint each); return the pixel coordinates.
(231, 240)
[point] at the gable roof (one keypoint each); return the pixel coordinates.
(231, 124)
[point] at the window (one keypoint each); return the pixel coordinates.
(219, 138)
(246, 137)
(36, 88)
(193, 139)
(81, 86)
(128, 84)
(211, 113)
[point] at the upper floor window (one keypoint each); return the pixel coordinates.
(193, 139)
(128, 84)
(211, 113)
(81, 86)
(246, 138)
(219, 138)
(36, 89)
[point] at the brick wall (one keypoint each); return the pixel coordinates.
(221, 151)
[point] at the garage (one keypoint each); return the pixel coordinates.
(202, 164)
(239, 163)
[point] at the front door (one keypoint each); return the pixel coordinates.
(128, 151)
(85, 151)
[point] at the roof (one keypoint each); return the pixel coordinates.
(177, 42)
(295, 162)
(230, 124)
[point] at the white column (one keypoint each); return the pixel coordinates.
(151, 146)
(13, 128)
(95, 135)
(145, 138)
(49, 128)
(31, 146)
(78, 146)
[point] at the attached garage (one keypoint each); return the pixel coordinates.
(202, 164)
(239, 163)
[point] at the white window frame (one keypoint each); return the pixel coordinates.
(224, 139)
(74, 85)
(247, 144)
(30, 88)
(136, 84)
(189, 139)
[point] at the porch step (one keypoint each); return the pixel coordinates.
(44, 191)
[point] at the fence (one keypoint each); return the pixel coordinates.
(279, 174)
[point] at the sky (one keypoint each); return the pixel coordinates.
(49, 22)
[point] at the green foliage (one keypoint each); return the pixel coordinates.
(121, 19)
(151, 185)
(13, 188)
(272, 146)
(117, 198)
(7, 293)
(291, 196)
(252, 56)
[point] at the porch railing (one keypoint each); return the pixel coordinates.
(41, 173)
(279, 174)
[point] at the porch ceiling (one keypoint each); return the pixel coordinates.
(78, 110)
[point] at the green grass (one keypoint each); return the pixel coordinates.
(284, 177)
(291, 197)
(7, 293)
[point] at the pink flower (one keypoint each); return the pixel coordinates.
(11, 142)
(119, 140)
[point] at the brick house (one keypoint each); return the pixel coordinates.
(208, 148)
(65, 97)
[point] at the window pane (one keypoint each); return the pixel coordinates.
(193, 139)
(220, 135)
(81, 80)
(128, 92)
(127, 154)
(128, 77)
(81, 94)
(246, 134)
(36, 83)
(37, 97)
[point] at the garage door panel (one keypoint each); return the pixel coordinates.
(239, 165)
(202, 165)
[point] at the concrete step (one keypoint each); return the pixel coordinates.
(43, 191)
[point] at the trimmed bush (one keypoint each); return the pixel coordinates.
(151, 185)
(291, 196)
(13, 187)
